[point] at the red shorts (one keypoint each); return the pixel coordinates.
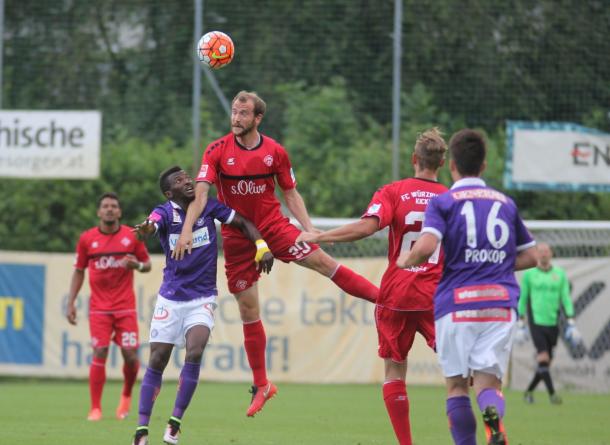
(239, 253)
(396, 331)
(124, 324)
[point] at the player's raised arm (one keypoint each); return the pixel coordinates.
(263, 257)
(421, 251)
(185, 241)
(349, 232)
(296, 205)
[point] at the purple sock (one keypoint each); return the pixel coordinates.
(491, 396)
(189, 377)
(462, 424)
(151, 385)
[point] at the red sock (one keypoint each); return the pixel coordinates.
(354, 284)
(397, 405)
(130, 373)
(97, 378)
(255, 343)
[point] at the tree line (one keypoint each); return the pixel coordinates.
(325, 70)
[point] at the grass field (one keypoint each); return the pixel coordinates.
(53, 412)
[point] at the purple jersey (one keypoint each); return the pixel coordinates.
(195, 275)
(482, 233)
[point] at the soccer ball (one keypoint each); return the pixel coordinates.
(215, 49)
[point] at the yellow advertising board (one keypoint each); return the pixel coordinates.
(315, 332)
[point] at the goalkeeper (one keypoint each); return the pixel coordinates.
(544, 289)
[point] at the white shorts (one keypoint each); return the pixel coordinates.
(172, 319)
(475, 340)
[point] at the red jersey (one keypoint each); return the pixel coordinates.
(245, 178)
(110, 281)
(401, 206)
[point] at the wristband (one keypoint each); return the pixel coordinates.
(140, 266)
(261, 249)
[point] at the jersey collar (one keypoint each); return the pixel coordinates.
(468, 182)
(260, 142)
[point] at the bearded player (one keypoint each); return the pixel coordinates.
(245, 166)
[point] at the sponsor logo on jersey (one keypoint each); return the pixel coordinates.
(231, 161)
(374, 208)
(201, 237)
(470, 294)
(94, 245)
(482, 315)
(268, 160)
(244, 187)
(126, 241)
(108, 262)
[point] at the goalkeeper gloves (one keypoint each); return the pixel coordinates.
(261, 249)
(572, 335)
(521, 334)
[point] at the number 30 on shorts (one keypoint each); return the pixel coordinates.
(299, 250)
(128, 339)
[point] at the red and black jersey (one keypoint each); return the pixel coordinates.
(245, 178)
(104, 254)
(401, 206)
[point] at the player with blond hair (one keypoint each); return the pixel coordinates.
(404, 306)
(475, 303)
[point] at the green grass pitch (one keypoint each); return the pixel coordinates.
(35, 412)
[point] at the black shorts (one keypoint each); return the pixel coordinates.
(544, 337)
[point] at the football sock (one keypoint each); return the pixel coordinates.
(355, 284)
(130, 373)
(545, 375)
(462, 424)
(397, 405)
(489, 397)
(97, 378)
(535, 380)
(189, 377)
(149, 390)
(255, 342)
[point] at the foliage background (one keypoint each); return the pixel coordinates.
(324, 69)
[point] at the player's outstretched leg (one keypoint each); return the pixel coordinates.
(491, 403)
(355, 284)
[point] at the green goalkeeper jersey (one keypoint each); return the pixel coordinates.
(545, 291)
